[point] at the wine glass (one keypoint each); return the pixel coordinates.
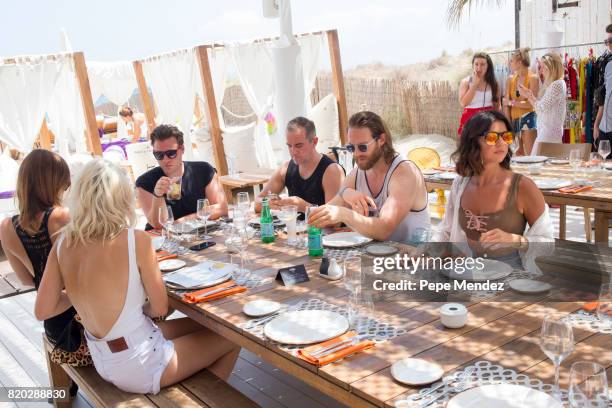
(604, 149)
(352, 273)
(238, 240)
(244, 202)
(166, 219)
(556, 341)
(204, 213)
(575, 158)
(604, 306)
(588, 386)
(516, 144)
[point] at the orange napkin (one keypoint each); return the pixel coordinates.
(592, 307)
(305, 354)
(574, 189)
(200, 295)
(444, 168)
(163, 255)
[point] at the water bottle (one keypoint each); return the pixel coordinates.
(315, 243)
(266, 223)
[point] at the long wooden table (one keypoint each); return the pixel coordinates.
(504, 333)
(599, 198)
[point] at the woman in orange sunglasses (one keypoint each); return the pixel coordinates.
(491, 208)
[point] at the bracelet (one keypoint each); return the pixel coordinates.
(159, 319)
(157, 196)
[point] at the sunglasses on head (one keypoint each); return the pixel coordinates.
(491, 138)
(363, 147)
(159, 155)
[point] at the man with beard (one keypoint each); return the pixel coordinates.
(385, 197)
(310, 177)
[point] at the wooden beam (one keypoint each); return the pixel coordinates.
(91, 125)
(45, 136)
(147, 103)
(338, 82)
(211, 110)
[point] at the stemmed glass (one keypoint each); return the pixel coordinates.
(588, 386)
(516, 143)
(556, 341)
(604, 149)
(204, 213)
(238, 240)
(575, 158)
(166, 219)
(604, 306)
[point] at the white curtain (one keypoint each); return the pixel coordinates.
(172, 79)
(311, 46)
(65, 112)
(115, 80)
(26, 88)
(256, 73)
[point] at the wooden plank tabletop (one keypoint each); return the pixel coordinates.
(242, 180)
(504, 332)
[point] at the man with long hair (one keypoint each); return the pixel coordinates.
(384, 197)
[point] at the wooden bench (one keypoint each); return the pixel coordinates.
(244, 180)
(10, 285)
(203, 389)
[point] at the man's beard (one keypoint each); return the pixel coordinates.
(368, 164)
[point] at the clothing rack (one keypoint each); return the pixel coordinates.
(551, 48)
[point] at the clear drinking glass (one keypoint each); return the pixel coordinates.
(175, 189)
(204, 213)
(516, 144)
(288, 215)
(595, 162)
(360, 308)
(604, 148)
(575, 158)
(588, 386)
(604, 306)
(352, 273)
(556, 341)
(244, 202)
(238, 240)
(166, 219)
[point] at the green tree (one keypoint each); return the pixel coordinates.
(456, 8)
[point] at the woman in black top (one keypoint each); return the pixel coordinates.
(27, 239)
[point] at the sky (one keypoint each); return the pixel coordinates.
(393, 32)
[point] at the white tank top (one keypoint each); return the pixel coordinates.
(481, 99)
(413, 220)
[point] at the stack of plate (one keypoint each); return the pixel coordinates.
(491, 270)
(344, 240)
(256, 223)
(551, 184)
(529, 159)
(306, 327)
(203, 275)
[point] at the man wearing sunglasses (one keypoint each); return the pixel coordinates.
(602, 128)
(384, 198)
(310, 177)
(198, 180)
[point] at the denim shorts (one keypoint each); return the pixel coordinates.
(525, 122)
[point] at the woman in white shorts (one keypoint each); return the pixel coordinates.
(110, 275)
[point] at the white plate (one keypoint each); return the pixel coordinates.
(157, 243)
(429, 172)
(492, 270)
(529, 159)
(415, 371)
(171, 265)
(503, 396)
(447, 175)
(529, 286)
(306, 327)
(256, 221)
(257, 308)
(201, 286)
(559, 161)
(551, 184)
(381, 250)
(607, 166)
(344, 240)
(202, 275)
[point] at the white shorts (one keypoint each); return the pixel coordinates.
(139, 368)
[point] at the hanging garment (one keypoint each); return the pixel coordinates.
(588, 108)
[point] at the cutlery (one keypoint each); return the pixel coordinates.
(339, 346)
(212, 292)
(461, 384)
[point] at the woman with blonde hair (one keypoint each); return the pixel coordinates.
(550, 106)
(27, 239)
(517, 107)
(110, 275)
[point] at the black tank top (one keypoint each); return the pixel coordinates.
(62, 330)
(311, 189)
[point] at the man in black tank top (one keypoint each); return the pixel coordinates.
(310, 177)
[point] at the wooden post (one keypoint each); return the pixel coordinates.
(91, 126)
(338, 82)
(45, 136)
(147, 103)
(211, 110)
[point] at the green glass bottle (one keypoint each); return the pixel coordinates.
(266, 223)
(315, 243)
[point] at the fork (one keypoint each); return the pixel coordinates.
(339, 346)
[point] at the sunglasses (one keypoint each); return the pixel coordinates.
(608, 41)
(491, 138)
(363, 147)
(159, 155)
